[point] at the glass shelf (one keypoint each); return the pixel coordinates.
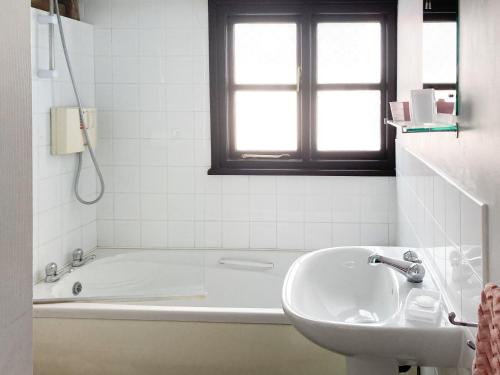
(435, 127)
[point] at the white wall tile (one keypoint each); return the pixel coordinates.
(374, 234)
(346, 208)
(290, 185)
(125, 42)
(151, 70)
(212, 234)
(263, 207)
(235, 208)
(235, 185)
(127, 233)
(181, 152)
(345, 234)
(153, 179)
(103, 69)
(126, 97)
(181, 207)
(452, 215)
(318, 208)
(179, 14)
(127, 206)
(180, 180)
(154, 234)
(154, 152)
(125, 13)
(154, 207)
(262, 185)
(212, 207)
(105, 233)
(263, 235)
(153, 87)
(126, 152)
(291, 208)
(180, 234)
(290, 236)
(152, 14)
(180, 124)
(127, 179)
(125, 69)
(102, 41)
(60, 223)
(153, 125)
(235, 235)
(452, 232)
(318, 236)
(375, 208)
(151, 42)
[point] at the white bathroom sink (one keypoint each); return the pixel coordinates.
(342, 303)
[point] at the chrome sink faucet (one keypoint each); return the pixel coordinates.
(410, 267)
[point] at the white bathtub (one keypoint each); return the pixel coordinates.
(187, 312)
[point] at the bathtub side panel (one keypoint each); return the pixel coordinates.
(120, 347)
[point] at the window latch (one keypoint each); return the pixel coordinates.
(264, 156)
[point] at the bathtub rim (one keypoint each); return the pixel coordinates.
(107, 311)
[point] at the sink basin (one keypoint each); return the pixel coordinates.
(342, 303)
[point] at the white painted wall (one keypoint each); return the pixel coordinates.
(410, 37)
(15, 188)
(472, 160)
(151, 60)
(61, 224)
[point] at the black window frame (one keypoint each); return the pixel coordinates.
(307, 160)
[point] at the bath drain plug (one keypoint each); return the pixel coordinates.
(77, 288)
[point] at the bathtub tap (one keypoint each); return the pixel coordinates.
(79, 259)
(51, 272)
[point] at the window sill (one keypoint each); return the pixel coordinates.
(300, 172)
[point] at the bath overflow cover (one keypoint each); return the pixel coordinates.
(77, 288)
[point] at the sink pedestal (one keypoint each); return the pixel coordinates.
(371, 365)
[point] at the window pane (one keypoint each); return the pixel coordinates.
(266, 120)
(265, 53)
(349, 52)
(348, 121)
(440, 52)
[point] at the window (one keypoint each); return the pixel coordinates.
(302, 87)
(440, 49)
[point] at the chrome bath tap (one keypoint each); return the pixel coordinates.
(52, 273)
(411, 267)
(79, 259)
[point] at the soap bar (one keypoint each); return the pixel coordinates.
(423, 306)
(425, 301)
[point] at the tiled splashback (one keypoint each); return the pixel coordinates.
(448, 225)
(151, 71)
(60, 223)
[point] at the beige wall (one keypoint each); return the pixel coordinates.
(472, 160)
(15, 189)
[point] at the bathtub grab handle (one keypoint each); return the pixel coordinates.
(247, 264)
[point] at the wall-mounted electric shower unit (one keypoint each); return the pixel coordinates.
(72, 128)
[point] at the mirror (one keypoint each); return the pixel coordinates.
(440, 52)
